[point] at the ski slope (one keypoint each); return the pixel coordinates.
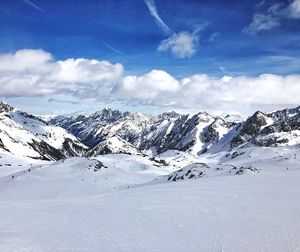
(75, 205)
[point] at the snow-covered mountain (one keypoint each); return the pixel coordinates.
(113, 131)
(196, 134)
(280, 128)
(193, 133)
(86, 127)
(27, 135)
(113, 145)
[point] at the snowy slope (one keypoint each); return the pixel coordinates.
(27, 135)
(113, 145)
(72, 205)
(78, 177)
(10, 164)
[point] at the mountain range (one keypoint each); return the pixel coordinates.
(194, 133)
(112, 131)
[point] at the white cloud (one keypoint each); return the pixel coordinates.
(272, 18)
(182, 45)
(34, 72)
(94, 81)
(218, 95)
(24, 59)
(150, 88)
(262, 22)
(294, 9)
(86, 71)
(241, 93)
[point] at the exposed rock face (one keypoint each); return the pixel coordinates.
(212, 133)
(192, 171)
(249, 129)
(271, 129)
(4, 107)
(46, 151)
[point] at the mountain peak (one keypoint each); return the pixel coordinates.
(109, 115)
(5, 107)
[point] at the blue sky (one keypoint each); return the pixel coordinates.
(228, 37)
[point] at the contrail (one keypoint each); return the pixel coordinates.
(31, 4)
(153, 11)
(113, 49)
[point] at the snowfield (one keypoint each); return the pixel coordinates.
(121, 202)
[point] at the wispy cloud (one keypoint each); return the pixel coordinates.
(272, 18)
(262, 22)
(182, 44)
(113, 49)
(153, 11)
(60, 39)
(32, 5)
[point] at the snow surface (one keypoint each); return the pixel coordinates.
(71, 205)
(10, 164)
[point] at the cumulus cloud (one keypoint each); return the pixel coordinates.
(202, 92)
(182, 45)
(231, 93)
(273, 16)
(94, 81)
(34, 72)
(149, 88)
(24, 59)
(86, 71)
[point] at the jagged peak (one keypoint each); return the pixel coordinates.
(258, 117)
(140, 115)
(234, 118)
(109, 114)
(168, 115)
(258, 113)
(285, 113)
(203, 116)
(220, 121)
(5, 107)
